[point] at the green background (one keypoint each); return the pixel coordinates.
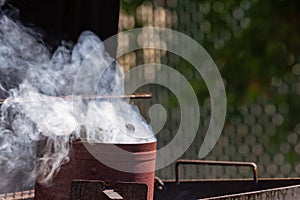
(256, 45)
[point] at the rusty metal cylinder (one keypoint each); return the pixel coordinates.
(85, 165)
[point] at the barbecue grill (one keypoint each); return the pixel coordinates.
(237, 189)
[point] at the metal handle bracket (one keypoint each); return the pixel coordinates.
(216, 163)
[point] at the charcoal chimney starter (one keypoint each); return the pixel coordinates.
(84, 166)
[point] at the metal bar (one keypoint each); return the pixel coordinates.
(288, 192)
(29, 194)
(217, 163)
(74, 97)
(111, 194)
(161, 185)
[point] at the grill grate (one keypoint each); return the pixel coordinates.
(28, 194)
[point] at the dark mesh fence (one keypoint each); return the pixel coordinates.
(260, 129)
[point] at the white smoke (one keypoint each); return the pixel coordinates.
(2, 3)
(34, 113)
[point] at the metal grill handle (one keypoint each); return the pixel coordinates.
(217, 163)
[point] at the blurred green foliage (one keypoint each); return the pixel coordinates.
(256, 45)
(268, 48)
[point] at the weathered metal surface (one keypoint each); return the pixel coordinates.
(285, 188)
(284, 193)
(195, 189)
(29, 194)
(217, 163)
(83, 189)
(83, 165)
(95, 190)
(132, 191)
(210, 189)
(238, 189)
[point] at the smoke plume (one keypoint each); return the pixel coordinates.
(2, 3)
(33, 83)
